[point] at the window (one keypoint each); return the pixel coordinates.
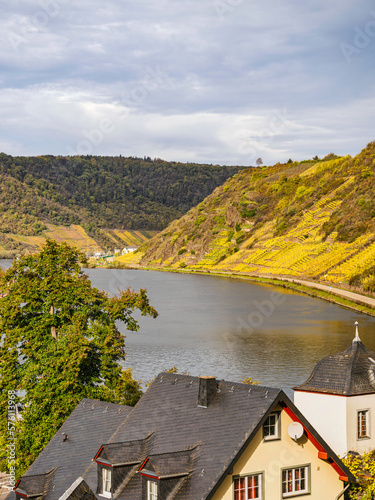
(106, 482)
(363, 424)
(152, 490)
(271, 426)
(248, 487)
(295, 481)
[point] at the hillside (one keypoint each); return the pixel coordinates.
(106, 202)
(313, 219)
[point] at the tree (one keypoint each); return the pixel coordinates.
(250, 381)
(59, 343)
(259, 162)
(363, 467)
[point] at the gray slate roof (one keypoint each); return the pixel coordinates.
(169, 409)
(195, 446)
(91, 424)
(347, 373)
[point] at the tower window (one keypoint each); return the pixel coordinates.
(363, 424)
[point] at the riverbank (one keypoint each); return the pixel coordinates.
(350, 300)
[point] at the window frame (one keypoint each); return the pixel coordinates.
(277, 425)
(296, 493)
(151, 494)
(104, 479)
(260, 476)
(367, 413)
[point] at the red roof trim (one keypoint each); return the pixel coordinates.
(102, 463)
(100, 450)
(151, 477)
(325, 393)
(21, 494)
(17, 483)
(317, 445)
(144, 463)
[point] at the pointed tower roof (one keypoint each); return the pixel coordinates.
(347, 373)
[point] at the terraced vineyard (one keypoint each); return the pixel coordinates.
(312, 219)
(77, 236)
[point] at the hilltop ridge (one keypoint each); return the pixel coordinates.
(313, 219)
(95, 202)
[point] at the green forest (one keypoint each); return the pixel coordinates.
(98, 193)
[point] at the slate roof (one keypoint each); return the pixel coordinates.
(173, 464)
(128, 452)
(37, 485)
(192, 447)
(347, 373)
(91, 424)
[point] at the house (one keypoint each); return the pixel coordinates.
(339, 399)
(129, 249)
(187, 438)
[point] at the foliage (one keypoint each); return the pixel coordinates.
(313, 218)
(60, 343)
(363, 467)
(100, 191)
(250, 381)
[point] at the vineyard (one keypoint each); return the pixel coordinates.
(76, 235)
(313, 219)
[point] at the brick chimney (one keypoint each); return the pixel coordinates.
(207, 390)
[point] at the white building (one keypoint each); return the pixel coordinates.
(128, 250)
(339, 399)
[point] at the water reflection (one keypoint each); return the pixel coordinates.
(231, 328)
(211, 325)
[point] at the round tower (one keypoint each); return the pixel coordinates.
(339, 399)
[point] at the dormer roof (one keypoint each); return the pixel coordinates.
(36, 486)
(171, 465)
(347, 373)
(125, 453)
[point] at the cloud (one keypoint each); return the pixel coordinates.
(216, 81)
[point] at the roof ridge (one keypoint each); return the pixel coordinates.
(243, 385)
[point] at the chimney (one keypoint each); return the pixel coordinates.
(207, 390)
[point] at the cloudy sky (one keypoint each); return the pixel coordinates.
(216, 81)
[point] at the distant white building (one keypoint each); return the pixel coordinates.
(129, 250)
(339, 399)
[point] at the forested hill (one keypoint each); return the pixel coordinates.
(313, 219)
(97, 193)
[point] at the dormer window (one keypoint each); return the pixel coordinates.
(271, 427)
(152, 490)
(106, 482)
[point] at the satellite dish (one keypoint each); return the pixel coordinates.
(295, 430)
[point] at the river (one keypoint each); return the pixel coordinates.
(231, 328)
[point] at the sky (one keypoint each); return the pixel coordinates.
(207, 81)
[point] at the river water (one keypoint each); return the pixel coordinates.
(230, 328)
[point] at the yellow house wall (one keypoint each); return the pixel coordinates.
(270, 457)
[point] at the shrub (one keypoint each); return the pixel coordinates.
(200, 220)
(368, 283)
(181, 251)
